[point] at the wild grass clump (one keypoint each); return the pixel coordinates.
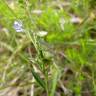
(47, 48)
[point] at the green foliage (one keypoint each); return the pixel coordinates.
(64, 55)
(39, 80)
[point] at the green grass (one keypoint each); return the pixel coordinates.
(59, 62)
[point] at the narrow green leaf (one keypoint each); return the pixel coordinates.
(38, 79)
(54, 82)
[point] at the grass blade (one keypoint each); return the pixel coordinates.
(38, 79)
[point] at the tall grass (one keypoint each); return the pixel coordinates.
(55, 51)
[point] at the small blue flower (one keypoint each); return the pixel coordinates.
(18, 26)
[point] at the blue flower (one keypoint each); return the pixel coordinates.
(18, 26)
